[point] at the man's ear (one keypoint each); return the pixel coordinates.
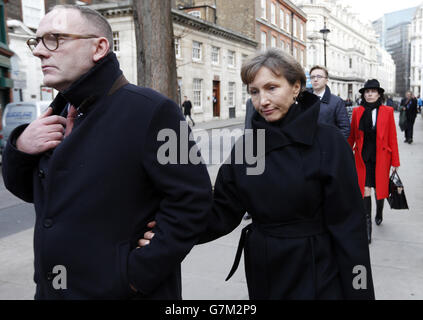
(102, 49)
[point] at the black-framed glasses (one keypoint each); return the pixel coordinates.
(51, 40)
(318, 77)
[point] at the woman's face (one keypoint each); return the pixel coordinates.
(272, 95)
(371, 95)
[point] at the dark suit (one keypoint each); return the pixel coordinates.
(411, 113)
(95, 193)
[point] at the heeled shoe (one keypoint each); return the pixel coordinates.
(379, 211)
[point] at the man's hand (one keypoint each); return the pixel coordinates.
(43, 134)
(147, 236)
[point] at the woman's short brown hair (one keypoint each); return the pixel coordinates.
(279, 62)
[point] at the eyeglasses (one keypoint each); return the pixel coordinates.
(51, 40)
(317, 77)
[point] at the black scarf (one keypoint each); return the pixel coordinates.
(366, 122)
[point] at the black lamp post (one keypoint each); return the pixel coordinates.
(325, 32)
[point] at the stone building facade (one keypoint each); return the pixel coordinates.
(416, 60)
(353, 53)
(208, 58)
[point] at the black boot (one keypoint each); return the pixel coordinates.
(379, 211)
(368, 210)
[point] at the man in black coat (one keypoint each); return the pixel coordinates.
(332, 108)
(97, 184)
(409, 103)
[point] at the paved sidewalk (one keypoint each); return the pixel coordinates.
(396, 249)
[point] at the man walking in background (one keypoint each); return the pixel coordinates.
(332, 108)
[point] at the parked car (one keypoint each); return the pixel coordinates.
(17, 113)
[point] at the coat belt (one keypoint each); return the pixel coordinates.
(301, 229)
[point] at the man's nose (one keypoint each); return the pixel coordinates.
(40, 50)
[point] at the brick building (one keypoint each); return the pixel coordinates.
(272, 23)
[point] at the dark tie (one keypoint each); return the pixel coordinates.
(70, 119)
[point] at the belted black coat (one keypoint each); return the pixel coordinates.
(308, 236)
(95, 193)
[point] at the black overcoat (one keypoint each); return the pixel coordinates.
(95, 193)
(308, 237)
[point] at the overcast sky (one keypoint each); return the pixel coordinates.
(374, 9)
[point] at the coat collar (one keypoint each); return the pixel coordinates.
(326, 97)
(298, 126)
(90, 86)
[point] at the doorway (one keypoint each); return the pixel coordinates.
(216, 102)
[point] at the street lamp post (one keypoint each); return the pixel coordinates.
(325, 32)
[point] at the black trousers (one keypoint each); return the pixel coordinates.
(409, 131)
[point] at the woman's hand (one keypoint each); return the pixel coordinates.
(395, 169)
(147, 236)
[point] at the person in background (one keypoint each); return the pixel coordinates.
(409, 104)
(187, 105)
(419, 103)
(308, 232)
(373, 140)
(332, 108)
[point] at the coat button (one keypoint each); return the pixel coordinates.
(50, 276)
(48, 223)
(41, 174)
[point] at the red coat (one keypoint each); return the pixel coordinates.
(386, 148)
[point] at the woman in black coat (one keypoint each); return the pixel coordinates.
(307, 239)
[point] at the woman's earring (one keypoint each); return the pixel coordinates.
(295, 100)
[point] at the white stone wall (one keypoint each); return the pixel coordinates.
(352, 48)
(127, 54)
(28, 65)
(207, 71)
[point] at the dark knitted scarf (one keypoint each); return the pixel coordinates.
(366, 122)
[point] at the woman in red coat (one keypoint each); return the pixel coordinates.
(373, 139)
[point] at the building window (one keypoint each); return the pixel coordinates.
(302, 57)
(263, 9)
(196, 51)
(273, 42)
(294, 27)
(288, 48)
(287, 22)
(197, 92)
(116, 41)
(295, 53)
(263, 40)
(231, 94)
(195, 13)
(244, 58)
(178, 47)
(215, 55)
(273, 13)
(302, 31)
(281, 19)
(351, 63)
(420, 53)
(231, 58)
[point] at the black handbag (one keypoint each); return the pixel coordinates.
(403, 120)
(396, 197)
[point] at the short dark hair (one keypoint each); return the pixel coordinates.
(279, 62)
(94, 18)
(316, 67)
